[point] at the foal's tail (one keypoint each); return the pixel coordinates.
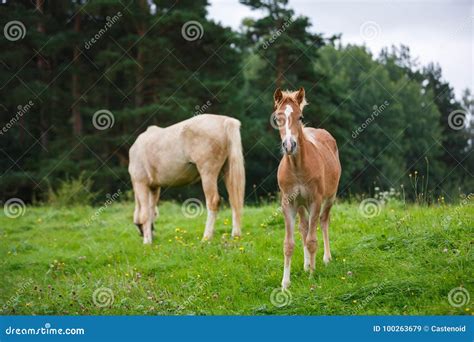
(235, 172)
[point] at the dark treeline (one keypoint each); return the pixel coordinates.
(83, 79)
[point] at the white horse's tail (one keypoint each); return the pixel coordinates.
(235, 172)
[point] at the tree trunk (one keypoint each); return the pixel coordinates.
(41, 64)
(76, 94)
(141, 29)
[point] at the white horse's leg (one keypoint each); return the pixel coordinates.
(289, 212)
(154, 198)
(144, 218)
(235, 203)
(209, 185)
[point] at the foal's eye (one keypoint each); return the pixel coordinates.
(301, 118)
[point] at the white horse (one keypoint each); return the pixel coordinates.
(198, 148)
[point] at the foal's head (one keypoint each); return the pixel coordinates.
(289, 116)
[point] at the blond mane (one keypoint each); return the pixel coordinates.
(292, 96)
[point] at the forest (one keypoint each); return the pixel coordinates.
(82, 79)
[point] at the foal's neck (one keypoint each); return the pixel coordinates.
(297, 160)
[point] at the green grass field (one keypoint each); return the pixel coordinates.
(406, 260)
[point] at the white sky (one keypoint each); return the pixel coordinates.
(436, 30)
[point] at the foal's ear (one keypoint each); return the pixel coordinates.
(278, 95)
(301, 98)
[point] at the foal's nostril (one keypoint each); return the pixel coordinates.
(293, 145)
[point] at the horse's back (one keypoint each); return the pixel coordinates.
(206, 136)
(166, 156)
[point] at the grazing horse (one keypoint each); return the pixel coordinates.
(198, 148)
(308, 177)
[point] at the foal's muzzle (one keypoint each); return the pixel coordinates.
(289, 146)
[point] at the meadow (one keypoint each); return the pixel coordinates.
(82, 260)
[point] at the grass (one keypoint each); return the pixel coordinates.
(403, 261)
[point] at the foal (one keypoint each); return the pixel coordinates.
(308, 177)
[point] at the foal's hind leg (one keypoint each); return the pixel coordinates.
(325, 217)
(304, 232)
(312, 238)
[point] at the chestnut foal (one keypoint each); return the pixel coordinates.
(308, 177)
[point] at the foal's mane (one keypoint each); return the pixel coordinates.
(292, 96)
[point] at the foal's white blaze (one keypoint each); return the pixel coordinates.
(288, 111)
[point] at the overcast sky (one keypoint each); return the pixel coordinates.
(436, 30)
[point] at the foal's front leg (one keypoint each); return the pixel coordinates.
(289, 212)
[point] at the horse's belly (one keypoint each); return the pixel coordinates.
(178, 174)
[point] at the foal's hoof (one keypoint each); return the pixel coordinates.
(206, 238)
(236, 235)
(326, 259)
(285, 285)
